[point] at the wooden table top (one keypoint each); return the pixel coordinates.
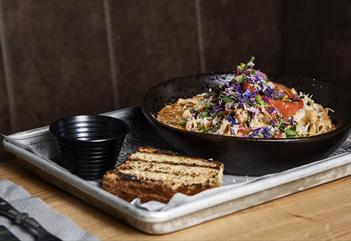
(320, 213)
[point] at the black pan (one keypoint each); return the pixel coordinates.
(251, 156)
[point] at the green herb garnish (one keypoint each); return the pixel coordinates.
(259, 100)
(204, 114)
(251, 62)
(240, 78)
(290, 132)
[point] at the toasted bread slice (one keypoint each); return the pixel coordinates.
(152, 174)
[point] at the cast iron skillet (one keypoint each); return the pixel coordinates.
(250, 156)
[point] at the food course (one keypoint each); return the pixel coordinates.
(249, 105)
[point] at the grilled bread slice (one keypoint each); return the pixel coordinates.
(152, 174)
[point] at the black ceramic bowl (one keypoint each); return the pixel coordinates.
(89, 144)
(251, 156)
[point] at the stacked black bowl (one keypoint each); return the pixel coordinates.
(89, 144)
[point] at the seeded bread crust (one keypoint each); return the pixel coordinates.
(131, 186)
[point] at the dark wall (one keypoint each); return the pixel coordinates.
(233, 31)
(317, 40)
(64, 57)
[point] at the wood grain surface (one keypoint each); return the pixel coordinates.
(321, 213)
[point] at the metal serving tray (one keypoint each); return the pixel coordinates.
(38, 152)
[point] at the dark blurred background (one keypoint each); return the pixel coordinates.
(65, 57)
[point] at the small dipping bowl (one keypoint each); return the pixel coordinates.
(89, 144)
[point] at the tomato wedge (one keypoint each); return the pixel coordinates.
(286, 109)
(247, 85)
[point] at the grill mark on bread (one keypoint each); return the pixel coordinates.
(168, 178)
(123, 176)
(148, 149)
(133, 177)
(166, 168)
(127, 176)
(159, 158)
(172, 163)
